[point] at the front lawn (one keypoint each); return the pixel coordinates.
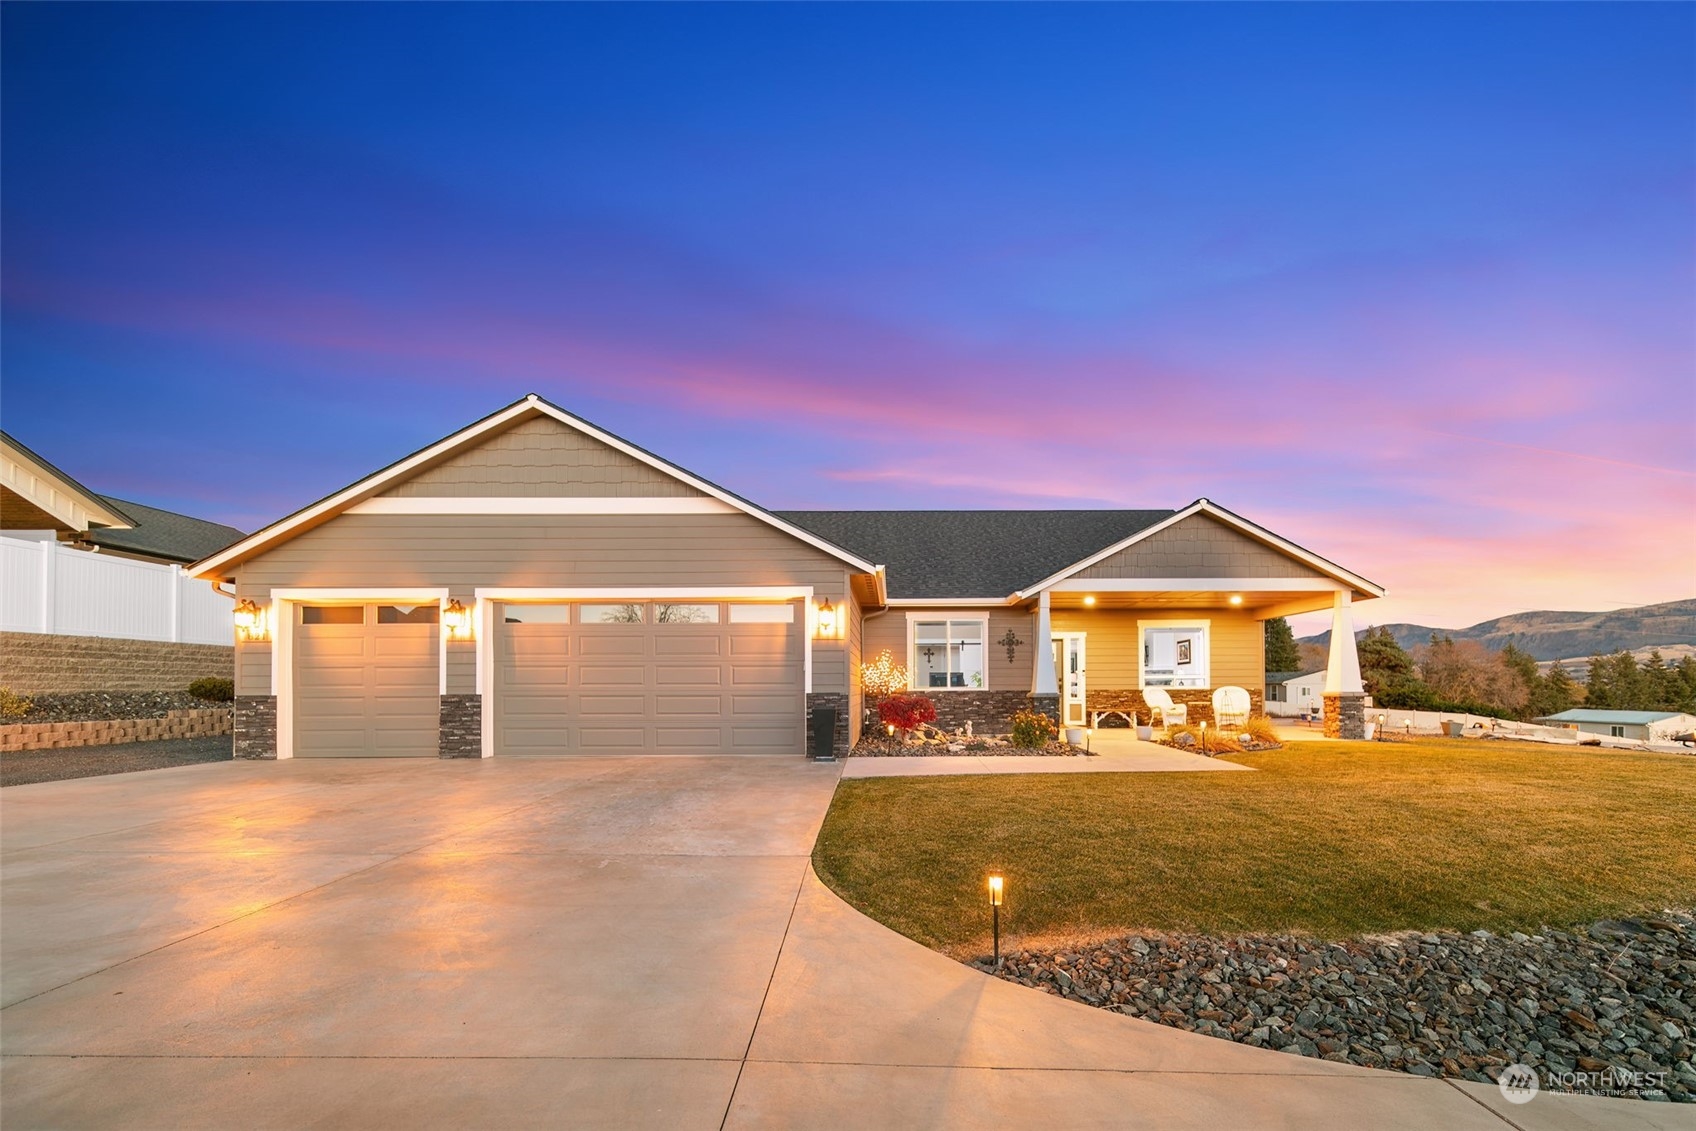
(1328, 839)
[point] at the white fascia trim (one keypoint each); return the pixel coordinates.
(1197, 584)
(651, 592)
(540, 505)
(946, 602)
(1203, 506)
(418, 596)
(374, 483)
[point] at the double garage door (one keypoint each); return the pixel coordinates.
(649, 677)
(569, 678)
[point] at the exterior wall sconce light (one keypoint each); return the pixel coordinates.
(996, 884)
(828, 620)
(456, 619)
(249, 620)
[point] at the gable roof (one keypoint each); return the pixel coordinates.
(1634, 718)
(530, 405)
(163, 534)
(101, 511)
(1242, 525)
(1286, 677)
(986, 554)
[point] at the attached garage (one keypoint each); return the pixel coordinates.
(661, 677)
(366, 680)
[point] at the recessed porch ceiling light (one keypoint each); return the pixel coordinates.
(1089, 600)
(1236, 598)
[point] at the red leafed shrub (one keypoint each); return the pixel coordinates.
(906, 712)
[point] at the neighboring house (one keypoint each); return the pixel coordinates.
(1645, 726)
(1293, 694)
(533, 584)
(84, 564)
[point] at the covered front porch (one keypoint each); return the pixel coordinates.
(1111, 641)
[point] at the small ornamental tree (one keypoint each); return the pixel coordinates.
(906, 713)
(883, 677)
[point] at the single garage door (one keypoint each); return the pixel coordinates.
(649, 677)
(367, 681)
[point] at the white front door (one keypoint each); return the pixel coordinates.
(1069, 667)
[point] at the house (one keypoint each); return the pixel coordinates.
(93, 596)
(533, 584)
(38, 502)
(1645, 726)
(1291, 695)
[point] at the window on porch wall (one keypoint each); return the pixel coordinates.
(948, 654)
(1175, 657)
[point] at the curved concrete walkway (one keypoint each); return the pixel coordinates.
(582, 942)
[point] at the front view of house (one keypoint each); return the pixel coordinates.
(533, 585)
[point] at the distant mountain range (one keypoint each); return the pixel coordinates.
(1560, 636)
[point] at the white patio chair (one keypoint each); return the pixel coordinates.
(1161, 704)
(1231, 706)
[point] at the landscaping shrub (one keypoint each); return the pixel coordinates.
(1032, 729)
(1216, 743)
(213, 688)
(13, 705)
(1260, 729)
(906, 713)
(883, 677)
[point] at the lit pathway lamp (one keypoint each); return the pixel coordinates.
(1204, 736)
(995, 887)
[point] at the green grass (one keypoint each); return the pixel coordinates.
(1327, 839)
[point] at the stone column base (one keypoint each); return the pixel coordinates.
(461, 722)
(1046, 705)
(1345, 716)
(256, 726)
(838, 702)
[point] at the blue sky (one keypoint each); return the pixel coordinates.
(1409, 283)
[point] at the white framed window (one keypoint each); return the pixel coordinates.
(1175, 654)
(947, 653)
(1616, 732)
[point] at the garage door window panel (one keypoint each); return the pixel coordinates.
(332, 614)
(628, 613)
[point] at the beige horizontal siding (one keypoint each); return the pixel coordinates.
(890, 631)
(464, 552)
(1199, 546)
(543, 458)
(462, 667)
(253, 668)
(1113, 644)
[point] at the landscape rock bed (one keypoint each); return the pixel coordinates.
(88, 706)
(1588, 1008)
(935, 744)
(1240, 744)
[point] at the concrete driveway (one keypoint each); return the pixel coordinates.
(585, 942)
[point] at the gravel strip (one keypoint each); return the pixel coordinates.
(1589, 1008)
(89, 706)
(26, 767)
(883, 747)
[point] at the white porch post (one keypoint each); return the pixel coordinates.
(1342, 672)
(1043, 679)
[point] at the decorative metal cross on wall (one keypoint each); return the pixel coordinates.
(1009, 642)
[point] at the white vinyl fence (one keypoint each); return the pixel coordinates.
(46, 587)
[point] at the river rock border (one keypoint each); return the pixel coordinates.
(1588, 1008)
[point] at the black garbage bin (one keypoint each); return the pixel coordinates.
(824, 735)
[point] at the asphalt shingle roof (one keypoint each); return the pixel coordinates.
(972, 553)
(164, 534)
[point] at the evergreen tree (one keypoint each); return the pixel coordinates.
(1555, 692)
(1385, 666)
(1282, 654)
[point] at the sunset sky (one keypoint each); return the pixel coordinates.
(1410, 284)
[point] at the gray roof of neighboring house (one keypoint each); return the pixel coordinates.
(1632, 718)
(1285, 677)
(987, 554)
(164, 534)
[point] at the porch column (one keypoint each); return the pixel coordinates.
(1045, 685)
(1345, 698)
